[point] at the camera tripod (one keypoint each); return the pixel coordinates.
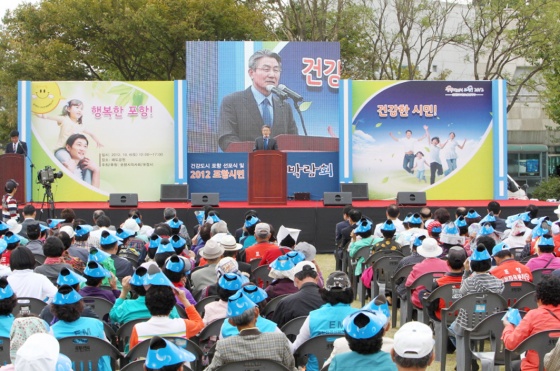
(49, 199)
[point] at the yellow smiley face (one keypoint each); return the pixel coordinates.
(45, 97)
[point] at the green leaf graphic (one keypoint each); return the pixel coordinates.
(304, 106)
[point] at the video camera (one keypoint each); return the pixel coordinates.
(48, 175)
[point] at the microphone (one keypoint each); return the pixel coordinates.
(278, 92)
(292, 94)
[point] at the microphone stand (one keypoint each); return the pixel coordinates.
(296, 105)
(25, 152)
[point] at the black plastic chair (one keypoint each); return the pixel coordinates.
(202, 303)
(27, 306)
(141, 350)
(39, 259)
(541, 342)
(365, 253)
(181, 311)
(427, 280)
(539, 273)
(517, 252)
(124, 332)
(100, 306)
(5, 351)
(515, 290)
(527, 302)
(383, 268)
(271, 305)
(260, 275)
(477, 306)
(401, 273)
(320, 346)
(255, 263)
(292, 327)
(85, 352)
(254, 365)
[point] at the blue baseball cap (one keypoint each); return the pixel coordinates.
(388, 226)
(178, 264)
(282, 263)
(415, 219)
(407, 218)
(175, 223)
(139, 277)
(486, 229)
(499, 247)
(165, 246)
(68, 277)
(95, 270)
(490, 218)
(251, 220)
(124, 233)
(418, 240)
(545, 240)
(177, 241)
(460, 222)
(6, 292)
(3, 226)
(108, 238)
(295, 256)
(97, 255)
(379, 303)
(53, 223)
(480, 254)
(376, 322)
(472, 214)
(162, 353)
(450, 228)
(154, 241)
(255, 293)
(364, 225)
(231, 281)
(156, 277)
(239, 303)
(11, 237)
(83, 229)
(70, 297)
(43, 227)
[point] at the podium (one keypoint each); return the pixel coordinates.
(12, 166)
(292, 143)
(267, 178)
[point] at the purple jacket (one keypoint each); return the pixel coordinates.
(97, 292)
(544, 260)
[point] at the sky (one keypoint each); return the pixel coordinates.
(12, 4)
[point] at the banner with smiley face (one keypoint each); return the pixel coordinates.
(105, 137)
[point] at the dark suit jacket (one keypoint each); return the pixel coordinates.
(240, 119)
(21, 148)
(259, 144)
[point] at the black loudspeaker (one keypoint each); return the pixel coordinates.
(123, 199)
(302, 196)
(203, 199)
(174, 192)
(359, 190)
(411, 198)
(337, 198)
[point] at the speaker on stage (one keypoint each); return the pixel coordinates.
(359, 190)
(123, 199)
(203, 199)
(174, 193)
(411, 198)
(337, 198)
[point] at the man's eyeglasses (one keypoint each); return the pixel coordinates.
(268, 69)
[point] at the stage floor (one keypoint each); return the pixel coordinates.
(316, 221)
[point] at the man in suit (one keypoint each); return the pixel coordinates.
(243, 113)
(265, 142)
(15, 146)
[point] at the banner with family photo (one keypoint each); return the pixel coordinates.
(103, 136)
(441, 137)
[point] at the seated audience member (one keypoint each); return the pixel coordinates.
(262, 244)
(362, 238)
(24, 281)
(109, 244)
(226, 265)
(206, 276)
(12, 241)
(516, 236)
(257, 296)
(8, 301)
(40, 351)
(430, 250)
(551, 359)
(545, 317)
(363, 330)
(231, 250)
(377, 304)
(33, 234)
(413, 259)
(67, 306)
(545, 258)
(507, 268)
(160, 300)
(251, 343)
(164, 251)
(76, 257)
(310, 252)
(305, 300)
(22, 329)
(126, 309)
(338, 295)
(163, 355)
(414, 347)
(388, 242)
(53, 249)
(248, 237)
(282, 271)
(81, 237)
(176, 268)
(287, 238)
(228, 284)
(94, 275)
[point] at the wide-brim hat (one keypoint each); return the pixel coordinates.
(14, 226)
(229, 244)
(131, 225)
(68, 277)
(429, 248)
(211, 250)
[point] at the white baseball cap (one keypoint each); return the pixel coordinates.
(413, 340)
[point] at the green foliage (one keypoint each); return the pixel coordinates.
(547, 189)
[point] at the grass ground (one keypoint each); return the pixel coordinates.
(327, 264)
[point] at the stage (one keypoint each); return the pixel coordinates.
(316, 221)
